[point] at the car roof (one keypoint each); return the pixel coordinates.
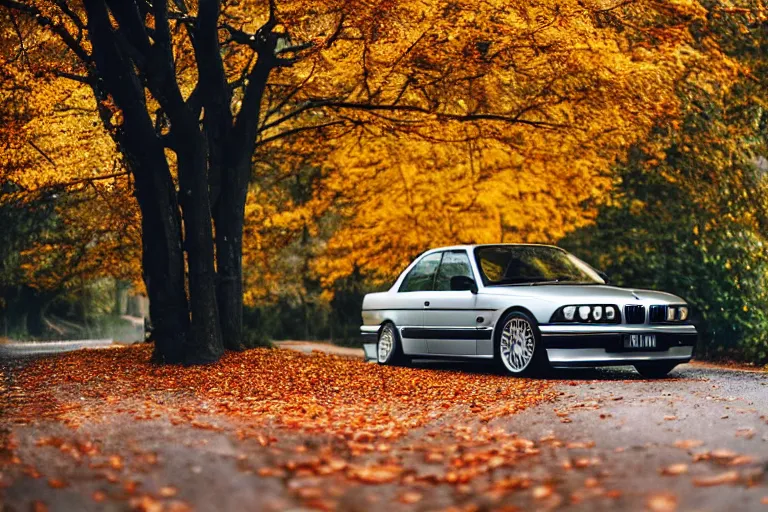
(472, 246)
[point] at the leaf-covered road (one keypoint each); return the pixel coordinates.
(275, 429)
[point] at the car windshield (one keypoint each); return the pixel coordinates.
(531, 264)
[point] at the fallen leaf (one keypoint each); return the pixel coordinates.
(687, 444)
(39, 506)
(591, 482)
(57, 483)
(168, 491)
(411, 497)
(116, 462)
(729, 477)
(146, 503)
(578, 445)
(741, 460)
(310, 493)
(674, 469)
(723, 455)
(363, 437)
(541, 492)
(662, 502)
(376, 474)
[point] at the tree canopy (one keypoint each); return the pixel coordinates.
(264, 142)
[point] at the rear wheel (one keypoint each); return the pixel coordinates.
(654, 370)
(518, 344)
(388, 347)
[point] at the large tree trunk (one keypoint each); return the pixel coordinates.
(162, 254)
(229, 194)
(162, 257)
(228, 216)
(198, 229)
(163, 264)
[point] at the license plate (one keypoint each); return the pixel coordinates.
(639, 341)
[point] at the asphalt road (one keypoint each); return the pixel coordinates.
(709, 422)
(610, 440)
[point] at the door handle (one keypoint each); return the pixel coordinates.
(426, 303)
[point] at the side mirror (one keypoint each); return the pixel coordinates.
(604, 276)
(460, 283)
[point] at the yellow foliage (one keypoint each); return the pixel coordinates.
(443, 123)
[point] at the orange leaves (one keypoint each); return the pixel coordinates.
(116, 462)
(729, 477)
(674, 469)
(662, 502)
(376, 474)
(351, 415)
(541, 492)
(361, 402)
(687, 444)
(410, 497)
(168, 492)
(57, 483)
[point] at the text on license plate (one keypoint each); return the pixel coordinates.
(639, 341)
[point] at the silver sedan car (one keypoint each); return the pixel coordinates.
(528, 307)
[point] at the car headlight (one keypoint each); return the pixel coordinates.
(668, 314)
(593, 313)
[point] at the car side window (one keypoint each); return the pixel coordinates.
(421, 277)
(455, 263)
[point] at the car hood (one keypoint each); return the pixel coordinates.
(594, 294)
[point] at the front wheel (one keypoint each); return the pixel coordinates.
(654, 370)
(518, 344)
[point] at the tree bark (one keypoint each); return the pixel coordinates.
(206, 338)
(163, 264)
(229, 197)
(229, 218)
(162, 254)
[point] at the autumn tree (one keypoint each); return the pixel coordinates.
(191, 93)
(689, 209)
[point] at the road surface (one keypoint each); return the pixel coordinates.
(610, 440)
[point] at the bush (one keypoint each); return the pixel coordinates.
(657, 233)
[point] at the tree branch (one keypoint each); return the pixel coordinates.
(72, 76)
(43, 153)
(80, 181)
(45, 21)
(301, 129)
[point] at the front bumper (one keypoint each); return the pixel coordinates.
(592, 345)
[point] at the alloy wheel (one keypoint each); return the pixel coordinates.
(517, 344)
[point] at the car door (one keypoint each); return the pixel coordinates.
(408, 305)
(450, 319)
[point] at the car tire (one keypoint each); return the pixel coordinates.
(393, 355)
(506, 357)
(655, 370)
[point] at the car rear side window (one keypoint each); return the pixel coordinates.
(455, 263)
(421, 278)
